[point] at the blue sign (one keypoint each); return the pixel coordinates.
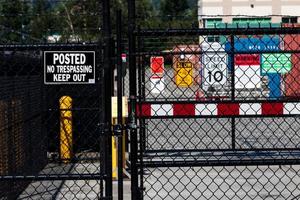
(265, 43)
(258, 44)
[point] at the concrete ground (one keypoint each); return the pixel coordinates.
(70, 189)
(193, 183)
(238, 183)
(126, 188)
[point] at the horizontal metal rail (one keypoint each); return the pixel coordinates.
(220, 100)
(51, 46)
(218, 31)
(218, 163)
(217, 117)
(223, 150)
(162, 53)
(53, 177)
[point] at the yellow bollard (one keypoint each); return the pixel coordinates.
(115, 152)
(66, 132)
(114, 155)
(114, 139)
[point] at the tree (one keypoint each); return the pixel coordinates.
(172, 9)
(14, 21)
(44, 21)
(80, 20)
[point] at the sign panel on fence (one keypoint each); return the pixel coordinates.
(215, 69)
(247, 71)
(276, 63)
(184, 74)
(69, 67)
(157, 84)
(123, 56)
(157, 65)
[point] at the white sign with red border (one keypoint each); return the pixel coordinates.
(157, 84)
(123, 56)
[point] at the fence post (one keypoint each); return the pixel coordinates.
(142, 97)
(108, 89)
(120, 102)
(132, 94)
(232, 88)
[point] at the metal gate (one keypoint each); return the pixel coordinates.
(217, 120)
(55, 139)
(40, 123)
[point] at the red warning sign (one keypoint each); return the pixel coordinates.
(247, 59)
(157, 65)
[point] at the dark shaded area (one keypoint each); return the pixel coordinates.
(21, 113)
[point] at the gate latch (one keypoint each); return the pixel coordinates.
(118, 129)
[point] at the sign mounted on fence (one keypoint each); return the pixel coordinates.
(276, 63)
(184, 74)
(157, 84)
(247, 71)
(123, 56)
(157, 65)
(215, 69)
(69, 67)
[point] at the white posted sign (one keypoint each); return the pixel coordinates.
(214, 69)
(157, 84)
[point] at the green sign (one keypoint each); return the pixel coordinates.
(276, 63)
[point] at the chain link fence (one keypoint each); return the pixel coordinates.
(54, 144)
(40, 123)
(218, 120)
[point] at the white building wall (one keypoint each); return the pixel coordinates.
(249, 7)
(291, 10)
(256, 11)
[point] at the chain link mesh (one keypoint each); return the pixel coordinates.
(218, 120)
(51, 145)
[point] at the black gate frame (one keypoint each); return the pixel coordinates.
(137, 100)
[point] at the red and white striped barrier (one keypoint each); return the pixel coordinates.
(217, 109)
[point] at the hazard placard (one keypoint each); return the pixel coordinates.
(276, 63)
(157, 65)
(157, 84)
(123, 56)
(184, 74)
(247, 71)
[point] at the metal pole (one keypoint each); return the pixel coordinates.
(232, 89)
(141, 89)
(132, 92)
(120, 109)
(108, 82)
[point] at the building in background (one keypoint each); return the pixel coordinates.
(211, 12)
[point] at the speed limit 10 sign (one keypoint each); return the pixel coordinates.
(214, 69)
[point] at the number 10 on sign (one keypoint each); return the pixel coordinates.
(215, 69)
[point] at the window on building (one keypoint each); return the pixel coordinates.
(212, 23)
(251, 21)
(289, 20)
